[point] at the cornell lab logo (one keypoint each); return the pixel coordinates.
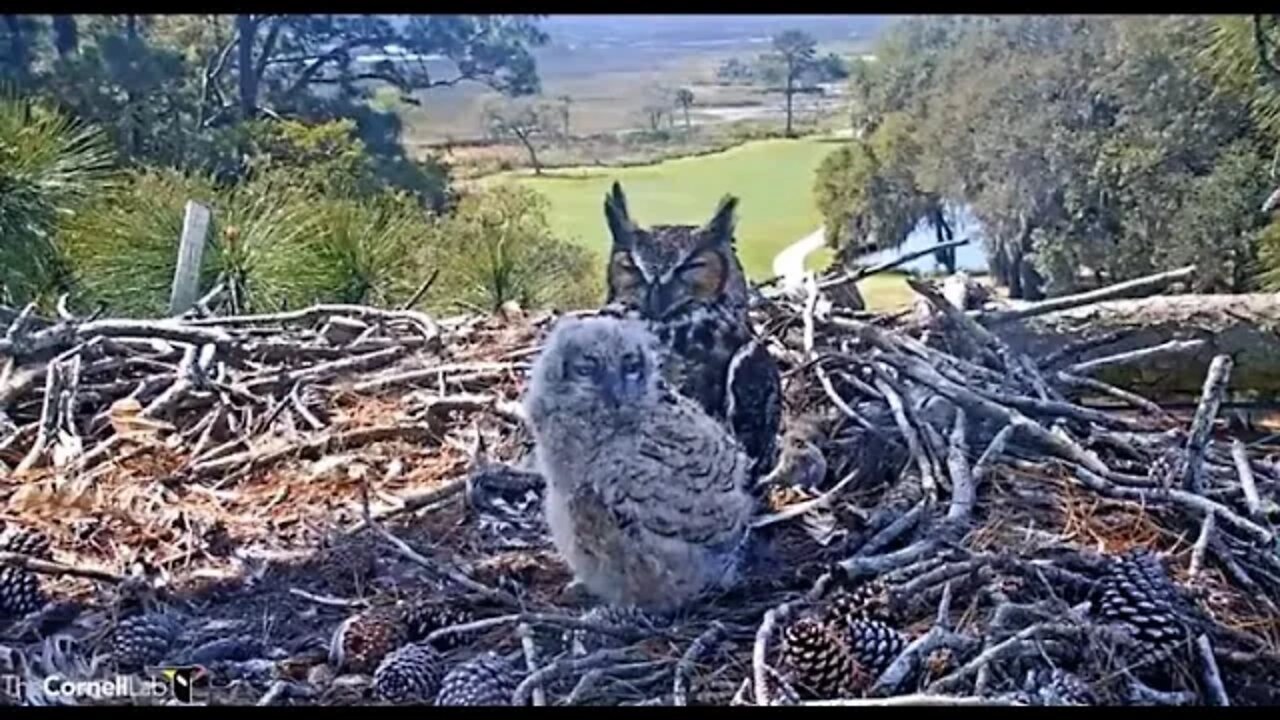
(186, 683)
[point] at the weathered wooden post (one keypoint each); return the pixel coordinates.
(186, 276)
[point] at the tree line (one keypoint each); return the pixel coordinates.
(110, 123)
(1091, 149)
(792, 66)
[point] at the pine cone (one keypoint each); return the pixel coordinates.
(486, 679)
(821, 663)
(1138, 594)
(409, 676)
(144, 640)
(1162, 469)
(628, 618)
(423, 619)
(348, 563)
(20, 592)
(868, 601)
(26, 541)
(875, 644)
(1056, 687)
(364, 639)
(902, 494)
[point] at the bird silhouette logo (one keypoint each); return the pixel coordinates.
(185, 681)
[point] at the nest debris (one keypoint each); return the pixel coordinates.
(258, 495)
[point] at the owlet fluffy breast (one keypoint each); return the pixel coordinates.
(645, 493)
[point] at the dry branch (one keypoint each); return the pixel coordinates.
(1248, 485)
(53, 568)
(1204, 325)
(1215, 386)
(1149, 283)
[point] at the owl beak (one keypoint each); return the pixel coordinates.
(620, 392)
(655, 301)
(613, 389)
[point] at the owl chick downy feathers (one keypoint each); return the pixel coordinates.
(646, 494)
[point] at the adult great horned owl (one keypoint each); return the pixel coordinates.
(687, 283)
(646, 494)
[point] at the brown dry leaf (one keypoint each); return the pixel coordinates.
(45, 498)
(357, 471)
(30, 496)
(325, 465)
(126, 420)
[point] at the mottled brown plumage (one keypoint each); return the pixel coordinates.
(686, 282)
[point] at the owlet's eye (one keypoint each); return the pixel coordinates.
(583, 367)
(632, 365)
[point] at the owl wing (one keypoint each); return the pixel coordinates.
(753, 403)
(708, 506)
(597, 521)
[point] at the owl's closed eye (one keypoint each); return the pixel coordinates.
(667, 266)
(704, 275)
(625, 279)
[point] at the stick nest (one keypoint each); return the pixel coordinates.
(292, 499)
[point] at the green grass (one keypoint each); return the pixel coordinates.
(886, 292)
(773, 180)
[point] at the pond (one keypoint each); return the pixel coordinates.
(971, 258)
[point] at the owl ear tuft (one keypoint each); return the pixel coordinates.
(618, 217)
(721, 225)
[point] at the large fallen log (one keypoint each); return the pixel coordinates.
(1246, 327)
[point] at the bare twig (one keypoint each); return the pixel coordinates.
(1098, 386)
(924, 463)
(434, 372)
(1173, 347)
(1247, 482)
(1000, 650)
(328, 600)
(894, 530)
(336, 442)
(47, 567)
(565, 666)
(760, 651)
(912, 656)
(963, 488)
(1143, 694)
(780, 615)
(1202, 544)
(563, 621)
(699, 647)
(447, 571)
(857, 566)
(539, 696)
(49, 419)
(1214, 689)
(903, 259)
(1081, 346)
(1215, 386)
(1149, 283)
(1154, 497)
